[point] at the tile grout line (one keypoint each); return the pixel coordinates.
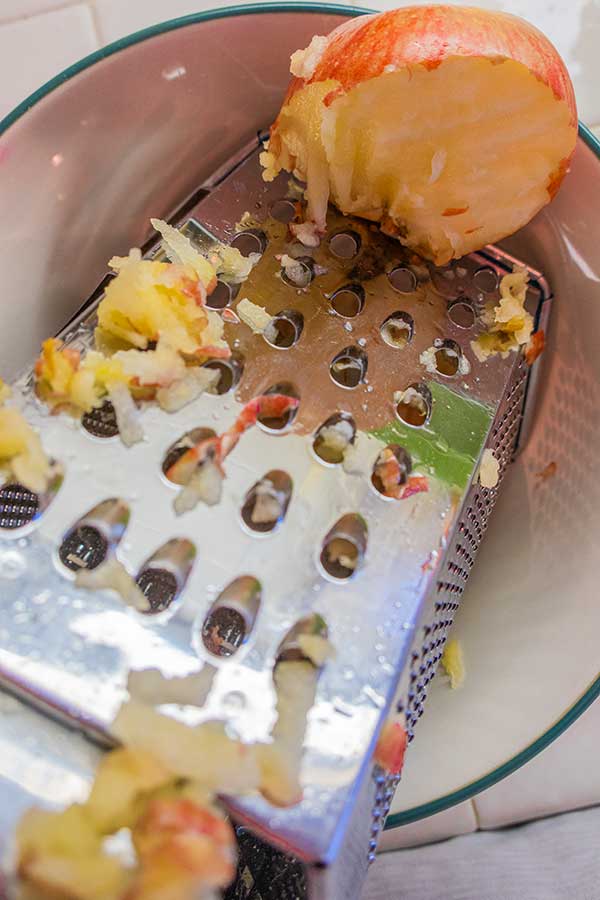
(26, 17)
(91, 5)
(475, 813)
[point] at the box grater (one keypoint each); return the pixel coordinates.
(361, 331)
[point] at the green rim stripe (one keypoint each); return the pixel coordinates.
(469, 790)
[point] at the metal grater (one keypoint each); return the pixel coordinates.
(332, 343)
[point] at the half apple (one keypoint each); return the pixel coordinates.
(451, 126)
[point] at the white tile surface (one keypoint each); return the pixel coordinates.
(18, 9)
(33, 50)
(565, 776)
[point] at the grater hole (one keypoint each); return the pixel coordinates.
(159, 586)
(340, 558)
(414, 405)
(188, 440)
(345, 244)
(333, 438)
(284, 329)
(225, 382)
(163, 576)
(398, 329)
(275, 424)
(84, 547)
(223, 295)
(447, 357)
(266, 503)
(230, 372)
(403, 280)
(290, 647)
(283, 210)
(18, 506)
(344, 547)
(461, 313)
(252, 240)
(231, 617)
(300, 273)
(390, 470)
(101, 421)
(349, 367)
(348, 301)
(224, 631)
(486, 279)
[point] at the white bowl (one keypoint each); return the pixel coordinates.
(130, 132)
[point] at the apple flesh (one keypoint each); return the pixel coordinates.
(450, 126)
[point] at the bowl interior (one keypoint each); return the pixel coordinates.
(131, 137)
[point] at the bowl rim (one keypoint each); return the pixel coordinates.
(592, 692)
(137, 37)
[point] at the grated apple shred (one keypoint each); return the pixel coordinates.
(205, 485)
(255, 317)
(112, 575)
(510, 326)
(127, 414)
(151, 687)
(453, 663)
(489, 469)
(194, 383)
(22, 456)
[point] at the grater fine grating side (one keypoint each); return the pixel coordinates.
(354, 322)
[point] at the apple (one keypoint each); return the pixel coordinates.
(198, 838)
(391, 747)
(450, 126)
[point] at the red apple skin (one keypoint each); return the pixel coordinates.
(391, 747)
(361, 48)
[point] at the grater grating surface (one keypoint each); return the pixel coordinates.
(70, 651)
(445, 595)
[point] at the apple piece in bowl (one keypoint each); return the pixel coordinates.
(450, 126)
